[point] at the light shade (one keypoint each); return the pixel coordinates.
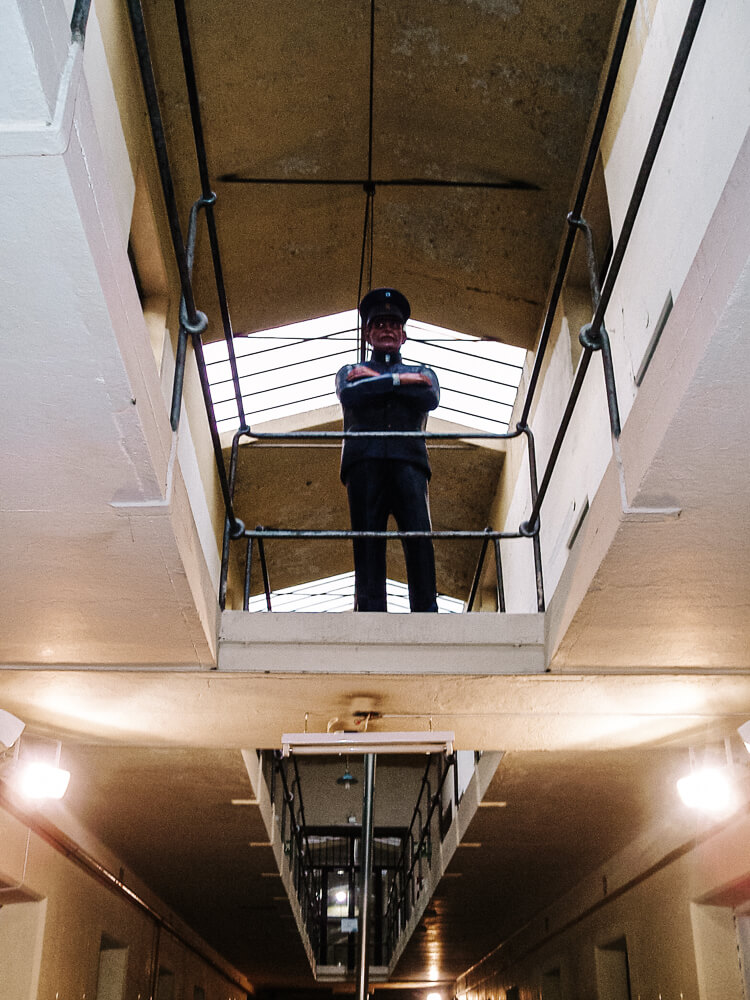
(42, 781)
(327, 743)
(10, 729)
(708, 789)
(744, 732)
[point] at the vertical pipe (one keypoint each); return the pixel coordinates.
(365, 868)
(534, 525)
(154, 982)
(499, 576)
(264, 569)
(224, 575)
(323, 919)
(248, 571)
(477, 573)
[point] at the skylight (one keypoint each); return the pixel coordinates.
(291, 369)
(336, 593)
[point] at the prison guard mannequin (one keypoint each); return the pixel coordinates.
(388, 475)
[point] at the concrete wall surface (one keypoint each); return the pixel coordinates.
(63, 933)
(671, 911)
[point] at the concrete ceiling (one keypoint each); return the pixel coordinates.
(170, 818)
(495, 91)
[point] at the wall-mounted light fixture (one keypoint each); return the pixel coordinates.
(744, 732)
(33, 769)
(10, 729)
(708, 789)
(711, 787)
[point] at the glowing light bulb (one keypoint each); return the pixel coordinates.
(708, 789)
(43, 781)
(341, 896)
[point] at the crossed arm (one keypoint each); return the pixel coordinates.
(405, 378)
(361, 383)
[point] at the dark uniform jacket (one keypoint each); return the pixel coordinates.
(378, 404)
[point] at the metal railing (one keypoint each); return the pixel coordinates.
(315, 854)
(429, 823)
(593, 335)
(293, 833)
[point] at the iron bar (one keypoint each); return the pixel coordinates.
(179, 378)
(195, 322)
(343, 435)
(299, 848)
(260, 533)
(79, 20)
(598, 339)
(309, 399)
(394, 903)
(209, 197)
(499, 576)
(224, 575)
(657, 133)
(575, 391)
(236, 524)
(588, 169)
(287, 364)
(301, 338)
(531, 446)
(248, 571)
(181, 353)
(365, 872)
(160, 146)
(478, 571)
(610, 384)
(508, 184)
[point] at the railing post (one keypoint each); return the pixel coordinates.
(500, 586)
(365, 874)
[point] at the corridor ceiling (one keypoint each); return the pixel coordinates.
(477, 92)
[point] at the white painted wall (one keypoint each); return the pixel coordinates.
(709, 122)
(51, 947)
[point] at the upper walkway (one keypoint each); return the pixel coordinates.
(368, 643)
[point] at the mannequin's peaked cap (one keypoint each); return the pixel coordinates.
(384, 302)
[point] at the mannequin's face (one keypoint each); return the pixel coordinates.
(385, 333)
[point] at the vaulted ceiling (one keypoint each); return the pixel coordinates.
(491, 94)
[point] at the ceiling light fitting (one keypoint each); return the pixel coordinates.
(10, 729)
(744, 732)
(347, 779)
(33, 769)
(712, 789)
(362, 743)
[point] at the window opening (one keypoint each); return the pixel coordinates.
(613, 971)
(165, 984)
(291, 369)
(113, 968)
(552, 985)
(147, 265)
(21, 936)
(336, 593)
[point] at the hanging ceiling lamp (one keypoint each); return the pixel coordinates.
(347, 779)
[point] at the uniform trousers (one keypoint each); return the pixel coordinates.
(377, 488)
